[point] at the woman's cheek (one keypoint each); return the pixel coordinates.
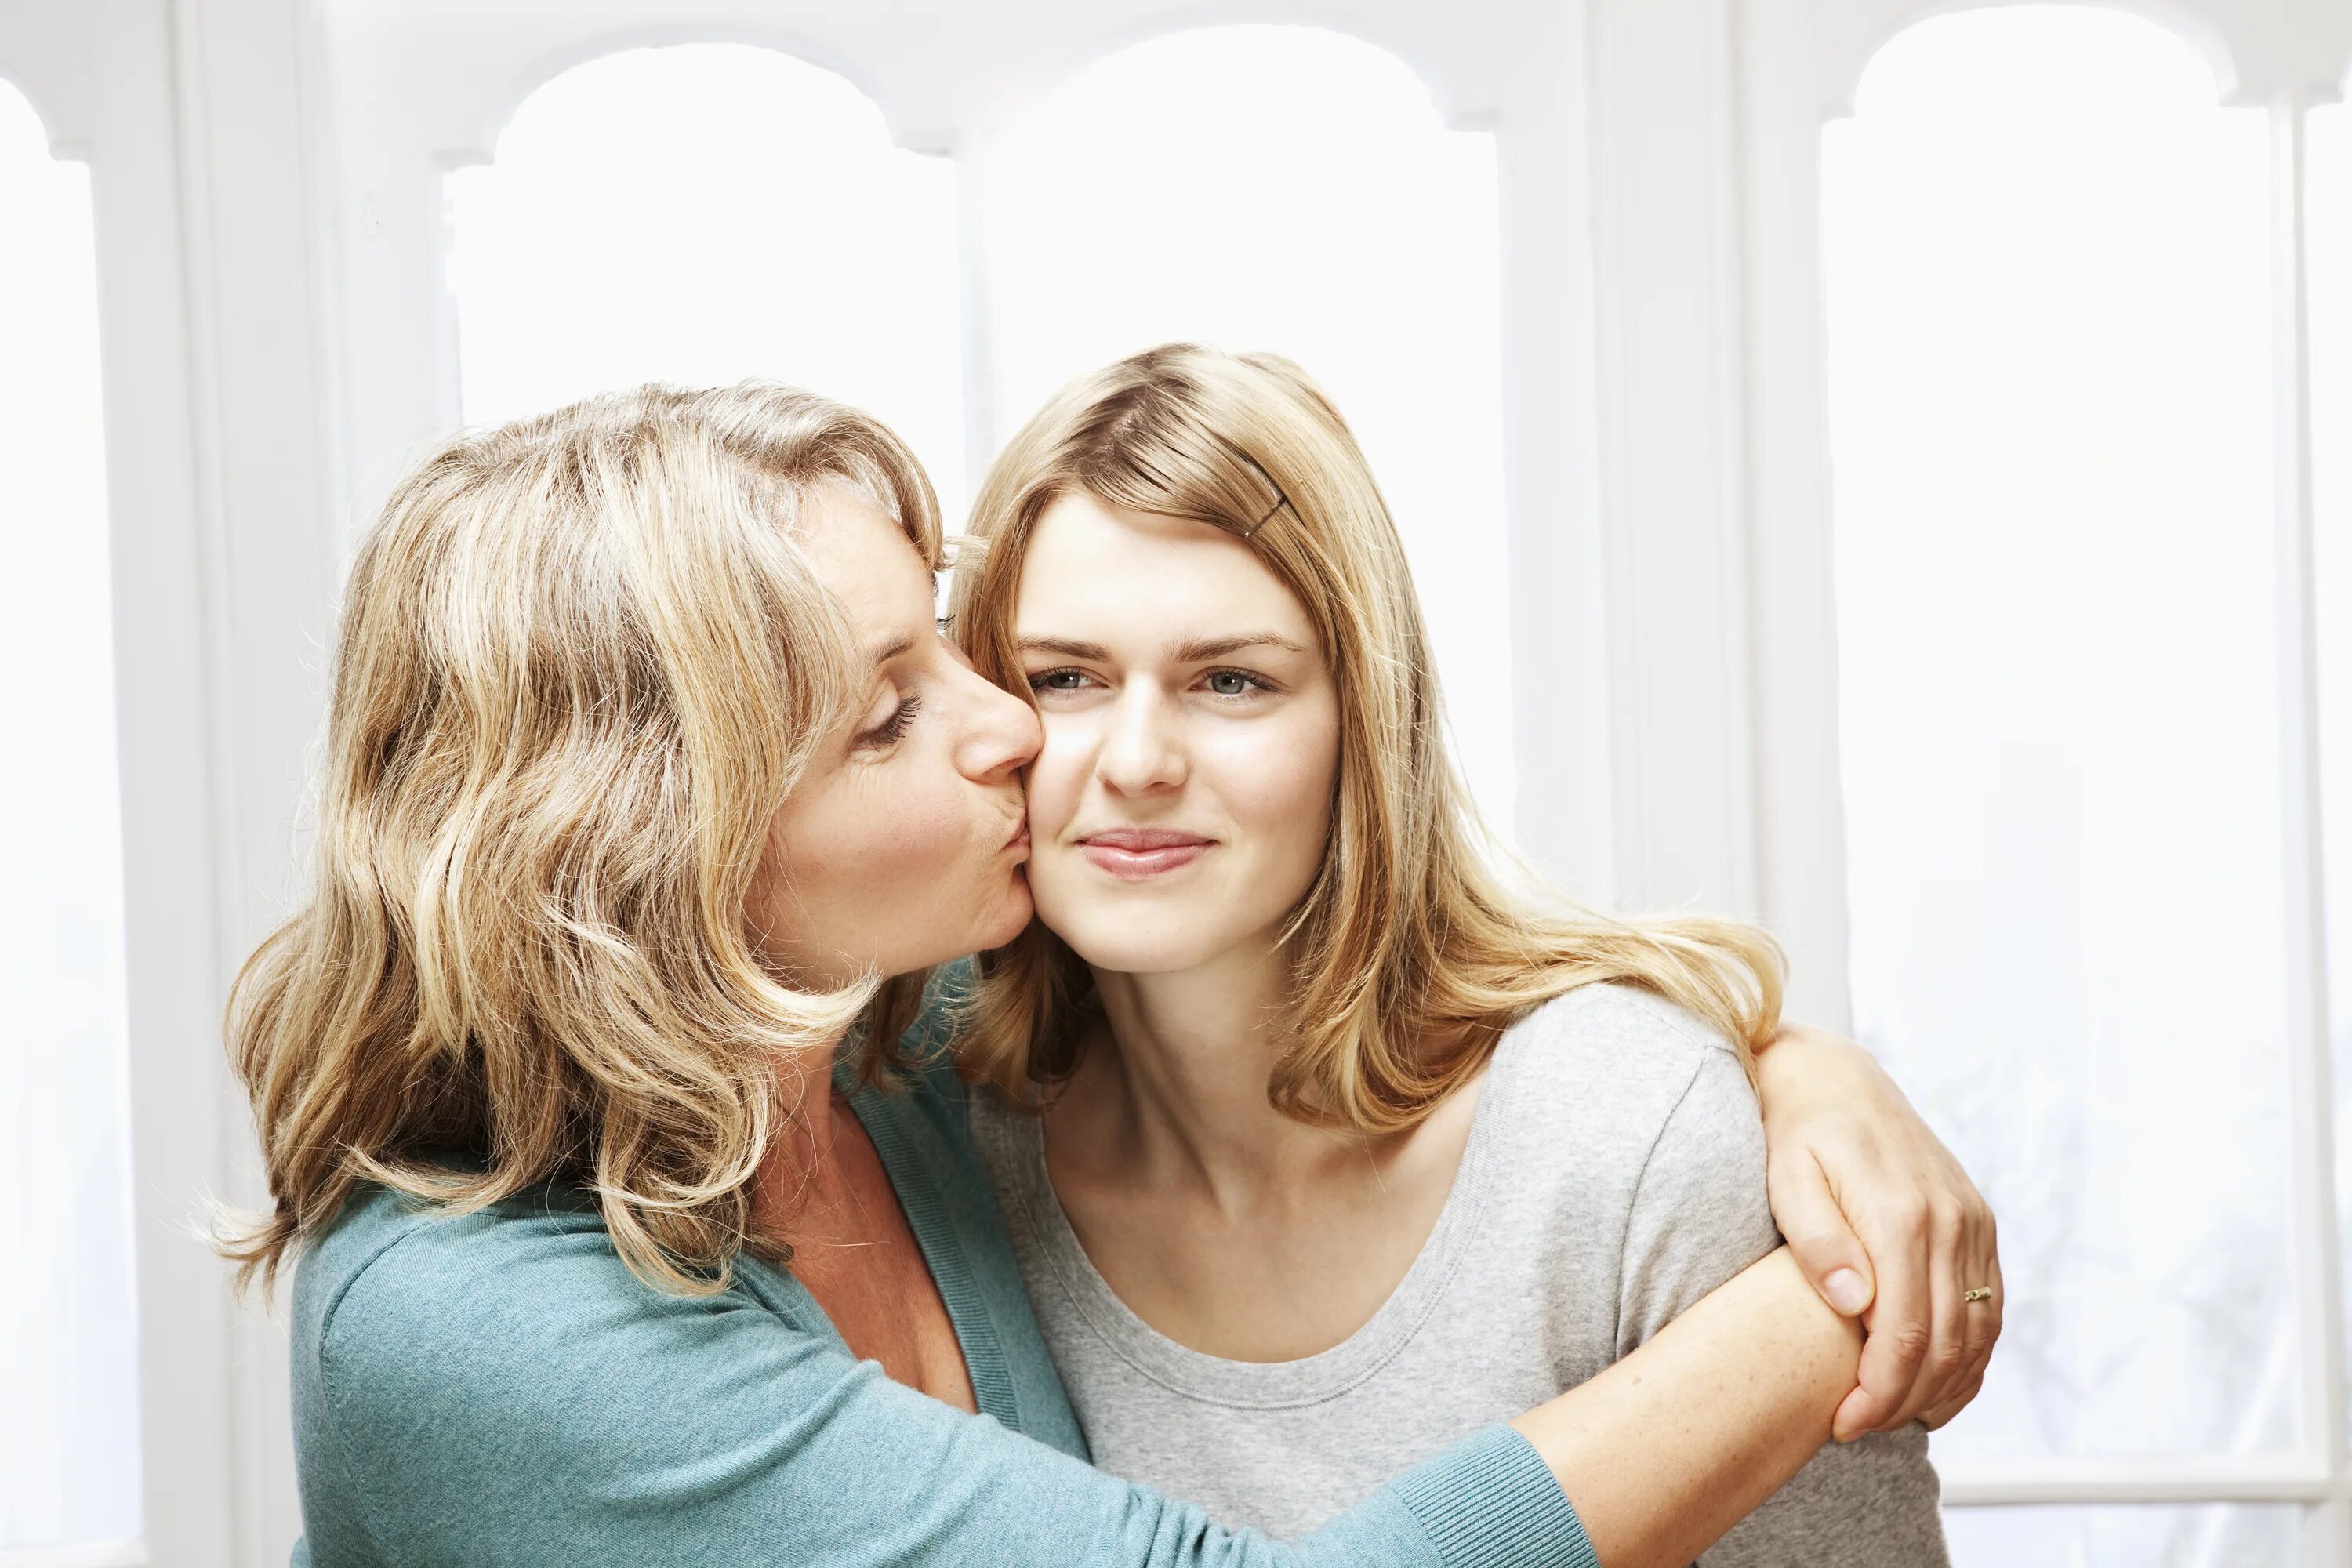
(1055, 778)
(1278, 778)
(911, 837)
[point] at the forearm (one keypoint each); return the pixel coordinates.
(1670, 1448)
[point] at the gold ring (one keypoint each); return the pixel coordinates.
(1981, 1293)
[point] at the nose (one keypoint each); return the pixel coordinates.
(1140, 750)
(1001, 734)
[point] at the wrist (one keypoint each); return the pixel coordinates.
(1803, 1063)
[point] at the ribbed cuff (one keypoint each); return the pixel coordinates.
(1490, 1501)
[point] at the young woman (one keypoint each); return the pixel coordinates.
(1348, 1149)
(651, 792)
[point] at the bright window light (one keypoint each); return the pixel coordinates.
(699, 215)
(2048, 294)
(1290, 190)
(69, 1334)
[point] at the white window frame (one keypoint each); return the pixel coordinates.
(1800, 63)
(120, 86)
(278, 336)
(427, 87)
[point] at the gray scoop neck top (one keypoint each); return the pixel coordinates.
(1012, 1145)
(1613, 1174)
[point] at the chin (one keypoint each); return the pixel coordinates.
(1009, 921)
(1119, 948)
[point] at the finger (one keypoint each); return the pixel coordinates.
(1946, 1363)
(1984, 1318)
(1935, 1415)
(1900, 1328)
(1811, 1221)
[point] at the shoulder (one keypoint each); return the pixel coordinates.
(402, 1308)
(1626, 1083)
(1621, 1037)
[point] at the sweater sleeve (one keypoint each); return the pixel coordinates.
(1700, 1216)
(504, 1394)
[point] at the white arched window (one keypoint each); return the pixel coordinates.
(1290, 190)
(2047, 259)
(70, 1425)
(704, 213)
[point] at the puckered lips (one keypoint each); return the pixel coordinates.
(1135, 854)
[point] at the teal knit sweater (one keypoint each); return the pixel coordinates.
(498, 1390)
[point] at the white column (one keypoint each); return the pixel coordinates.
(267, 558)
(2319, 1294)
(1561, 623)
(1670, 356)
(170, 800)
(1799, 813)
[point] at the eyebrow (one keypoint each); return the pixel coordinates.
(1193, 650)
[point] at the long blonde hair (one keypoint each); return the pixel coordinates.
(582, 660)
(1410, 952)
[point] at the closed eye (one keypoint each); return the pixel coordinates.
(893, 729)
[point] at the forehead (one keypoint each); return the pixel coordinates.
(1124, 574)
(858, 553)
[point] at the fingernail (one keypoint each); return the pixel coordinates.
(1847, 1293)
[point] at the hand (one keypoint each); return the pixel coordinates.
(1886, 1224)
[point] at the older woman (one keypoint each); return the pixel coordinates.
(637, 1214)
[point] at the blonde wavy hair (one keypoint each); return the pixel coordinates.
(1409, 953)
(582, 660)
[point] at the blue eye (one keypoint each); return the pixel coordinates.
(1234, 683)
(1057, 680)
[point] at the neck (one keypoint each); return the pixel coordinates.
(801, 1158)
(1178, 1083)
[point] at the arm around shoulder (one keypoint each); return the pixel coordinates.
(519, 1399)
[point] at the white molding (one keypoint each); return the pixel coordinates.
(1563, 747)
(466, 67)
(1668, 262)
(2061, 1478)
(259, 409)
(171, 874)
(2311, 1095)
(426, 87)
(1798, 795)
(2257, 51)
(49, 53)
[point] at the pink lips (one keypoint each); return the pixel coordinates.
(1135, 853)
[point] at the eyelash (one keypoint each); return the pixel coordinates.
(894, 729)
